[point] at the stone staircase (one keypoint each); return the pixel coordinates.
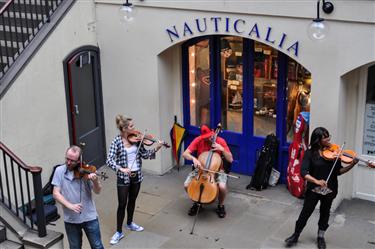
(18, 26)
(16, 195)
(5, 243)
(24, 25)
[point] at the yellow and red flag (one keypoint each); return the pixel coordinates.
(177, 134)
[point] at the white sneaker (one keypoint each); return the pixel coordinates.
(135, 227)
(116, 238)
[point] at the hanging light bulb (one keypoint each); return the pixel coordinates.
(126, 12)
(318, 29)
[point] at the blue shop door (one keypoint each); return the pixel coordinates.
(252, 98)
(241, 84)
(215, 93)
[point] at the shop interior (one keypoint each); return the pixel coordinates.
(265, 72)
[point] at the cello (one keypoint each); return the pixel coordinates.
(203, 188)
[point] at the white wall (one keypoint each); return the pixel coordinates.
(139, 70)
(362, 178)
(33, 111)
(170, 96)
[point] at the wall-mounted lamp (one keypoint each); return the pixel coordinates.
(318, 29)
(127, 12)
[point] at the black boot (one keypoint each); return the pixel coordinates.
(221, 211)
(321, 243)
(292, 240)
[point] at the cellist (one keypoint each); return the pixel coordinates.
(202, 144)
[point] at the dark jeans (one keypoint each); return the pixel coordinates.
(311, 199)
(127, 195)
(92, 230)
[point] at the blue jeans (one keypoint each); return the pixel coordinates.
(92, 230)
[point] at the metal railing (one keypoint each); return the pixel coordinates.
(15, 190)
(20, 21)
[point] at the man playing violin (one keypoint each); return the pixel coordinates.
(75, 196)
(202, 144)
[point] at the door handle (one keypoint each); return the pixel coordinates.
(76, 110)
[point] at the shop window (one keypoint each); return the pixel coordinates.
(199, 83)
(265, 89)
(232, 86)
(369, 122)
(298, 94)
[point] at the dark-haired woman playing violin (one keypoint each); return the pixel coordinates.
(125, 157)
(316, 169)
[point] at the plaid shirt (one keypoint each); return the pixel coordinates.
(118, 158)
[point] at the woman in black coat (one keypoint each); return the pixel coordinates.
(315, 169)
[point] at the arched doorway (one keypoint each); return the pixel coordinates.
(249, 87)
(85, 103)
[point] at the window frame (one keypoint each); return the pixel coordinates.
(361, 103)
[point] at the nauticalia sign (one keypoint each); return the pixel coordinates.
(230, 25)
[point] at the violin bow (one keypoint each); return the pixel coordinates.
(218, 172)
(221, 173)
(81, 145)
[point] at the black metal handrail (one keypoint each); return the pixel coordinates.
(15, 190)
(20, 21)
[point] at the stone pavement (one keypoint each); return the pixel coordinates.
(254, 219)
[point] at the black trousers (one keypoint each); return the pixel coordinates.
(311, 200)
(126, 194)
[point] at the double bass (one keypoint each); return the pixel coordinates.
(203, 188)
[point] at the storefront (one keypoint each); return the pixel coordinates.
(249, 65)
(251, 88)
(252, 67)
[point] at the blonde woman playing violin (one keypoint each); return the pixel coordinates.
(316, 169)
(125, 158)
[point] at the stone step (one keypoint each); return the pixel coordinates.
(9, 50)
(19, 22)
(7, 36)
(5, 61)
(7, 244)
(15, 28)
(31, 16)
(10, 44)
(39, 2)
(29, 8)
(3, 235)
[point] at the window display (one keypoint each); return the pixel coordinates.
(264, 86)
(232, 85)
(199, 83)
(369, 126)
(298, 94)
(265, 89)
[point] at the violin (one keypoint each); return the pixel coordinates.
(83, 170)
(346, 156)
(147, 139)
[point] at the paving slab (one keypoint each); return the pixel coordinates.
(255, 219)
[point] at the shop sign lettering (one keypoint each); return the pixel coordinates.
(369, 130)
(228, 25)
